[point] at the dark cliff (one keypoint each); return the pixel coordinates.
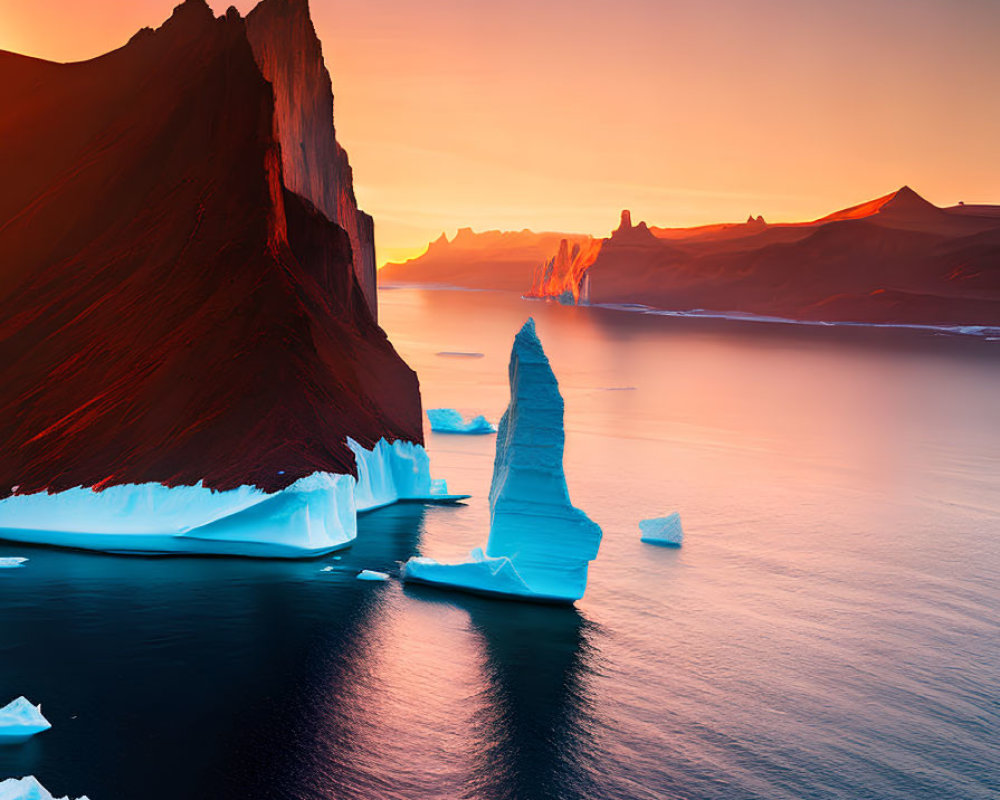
(171, 309)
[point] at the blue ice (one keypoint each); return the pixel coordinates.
(19, 721)
(317, 514)
(448, 420)
(539, 545)
(26, 789)
(372, 575)
(665, 531)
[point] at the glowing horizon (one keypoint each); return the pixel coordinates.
(556, 117)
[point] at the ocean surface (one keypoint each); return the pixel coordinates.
(829, 629)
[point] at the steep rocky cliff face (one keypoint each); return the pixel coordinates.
(170, 309)
(563, 275)
(315, 166)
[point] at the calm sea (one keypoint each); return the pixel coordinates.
(830, 628)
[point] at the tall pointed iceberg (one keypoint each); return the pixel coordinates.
(540, 545)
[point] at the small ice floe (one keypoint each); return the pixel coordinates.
(327, 569)
(12, 562)
(372, 575)
(19, 721)
(448, 420)
(26, 789)
(457, 354)
(664, 531)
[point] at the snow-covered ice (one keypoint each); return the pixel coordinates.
(316, 514)
(448, 420)
(20, 720)
(12, 562)
(539, 545)
(26, 789)
(663, 530)
(372, 575)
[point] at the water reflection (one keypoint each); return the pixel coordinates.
(192, 677)
(308, 738)
(535, 734)
(532, 729)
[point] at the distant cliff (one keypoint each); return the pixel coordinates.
(180, 294)
(564, 276)
(504, 260)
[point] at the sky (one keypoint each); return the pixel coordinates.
(557, 114)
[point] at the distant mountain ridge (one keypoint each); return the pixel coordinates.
(896, 259)
(504, 260)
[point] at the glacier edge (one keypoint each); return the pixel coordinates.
(315, 515)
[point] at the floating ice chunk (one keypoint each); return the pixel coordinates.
(316, 514)
(448, 420)
(372, 575)
(540, 544)
(26, 789)
(663, 530)
(12, 562)
(20, 720)
(479, 574)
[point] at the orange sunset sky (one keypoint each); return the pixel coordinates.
(556, 114)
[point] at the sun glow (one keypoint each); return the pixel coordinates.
(555, 116)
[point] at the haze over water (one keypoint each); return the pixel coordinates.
(828, 630)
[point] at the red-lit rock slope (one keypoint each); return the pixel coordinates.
(897, 259)
(171, 309)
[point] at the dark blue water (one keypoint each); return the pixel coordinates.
(828, 630)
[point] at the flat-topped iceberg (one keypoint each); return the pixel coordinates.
(539, 545)
(12, 562)
(26, 789)
(20, 720)
(317, 514)
(665, 531)
(448, 420)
